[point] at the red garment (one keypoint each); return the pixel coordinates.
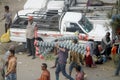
(88, 57)
(79, 76)
(88, 60)
(45, 75)
(114, 50)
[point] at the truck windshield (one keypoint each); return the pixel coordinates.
(86, 24)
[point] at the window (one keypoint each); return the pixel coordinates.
(20, 23)
(73, 27)
(86, 24)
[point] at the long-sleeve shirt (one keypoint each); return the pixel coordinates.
(63, 56)
(75, 57)
(105, 42)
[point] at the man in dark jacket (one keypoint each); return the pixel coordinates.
(106, 44)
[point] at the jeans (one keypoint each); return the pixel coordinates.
(61, 67)
(107, 51)
(72, 65)
(7, 26)
(30, 47)
(118, 68)
(11, 76)
(56, 60)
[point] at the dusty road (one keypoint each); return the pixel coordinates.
(28, 69)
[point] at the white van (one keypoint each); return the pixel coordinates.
(55, 7)
(35, 4)
(69, 23)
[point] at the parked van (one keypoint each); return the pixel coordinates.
(69, 23)
(54, 8)
(35, 4)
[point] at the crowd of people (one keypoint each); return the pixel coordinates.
(9, 63)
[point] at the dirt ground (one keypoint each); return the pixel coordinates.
(28, 69)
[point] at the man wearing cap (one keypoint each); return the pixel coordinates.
(30, 36)
(106, 45)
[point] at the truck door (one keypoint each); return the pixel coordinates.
(17, 30)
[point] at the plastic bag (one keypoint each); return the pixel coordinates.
(5, 37)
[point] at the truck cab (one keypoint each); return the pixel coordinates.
(75, 21)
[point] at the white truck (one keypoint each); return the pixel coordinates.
(68, 24)
(74, 21)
